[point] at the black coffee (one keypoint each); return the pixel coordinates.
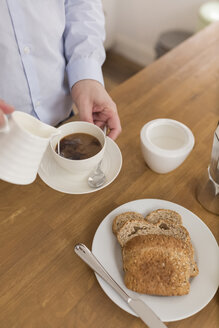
(79, 146)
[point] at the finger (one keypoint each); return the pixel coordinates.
(85, 112)
(6, 108)
(114, 127)
(100, 117)
(109, 116)
(100, 124)
(114, 133)
(113, 122)
(2, 119)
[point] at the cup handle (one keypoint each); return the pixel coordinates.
(5, 127)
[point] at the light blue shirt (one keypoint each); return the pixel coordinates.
(46, 46)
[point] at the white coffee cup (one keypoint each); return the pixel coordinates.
(23, 141)
(165, 144)
(81, 167)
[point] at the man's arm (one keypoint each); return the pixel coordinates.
(84, 51)
(83, 40)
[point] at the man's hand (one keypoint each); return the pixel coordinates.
(4, 109)
(95, 106)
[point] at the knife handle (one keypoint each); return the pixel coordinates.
(87, 256)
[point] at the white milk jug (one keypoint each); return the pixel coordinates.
(23, 141)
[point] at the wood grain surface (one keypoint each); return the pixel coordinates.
(42, 282)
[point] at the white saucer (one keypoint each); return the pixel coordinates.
(59, 179)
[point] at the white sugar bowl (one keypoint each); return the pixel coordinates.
(165, 144)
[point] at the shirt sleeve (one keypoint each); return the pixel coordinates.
(83, 40)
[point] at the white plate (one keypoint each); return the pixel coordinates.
(168, 308)
(59, 179)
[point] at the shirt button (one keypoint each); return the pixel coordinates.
(38, 103)
(26, 50)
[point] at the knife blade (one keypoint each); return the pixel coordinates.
(137, 305)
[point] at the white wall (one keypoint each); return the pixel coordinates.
(140, 22)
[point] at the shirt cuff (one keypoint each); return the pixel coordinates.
(82, 69)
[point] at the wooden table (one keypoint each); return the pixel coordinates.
(42, 282)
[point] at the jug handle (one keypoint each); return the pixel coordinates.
(5, 127)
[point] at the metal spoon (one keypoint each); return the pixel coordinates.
(97, 178)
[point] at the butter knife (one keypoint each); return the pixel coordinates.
(137, 305)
